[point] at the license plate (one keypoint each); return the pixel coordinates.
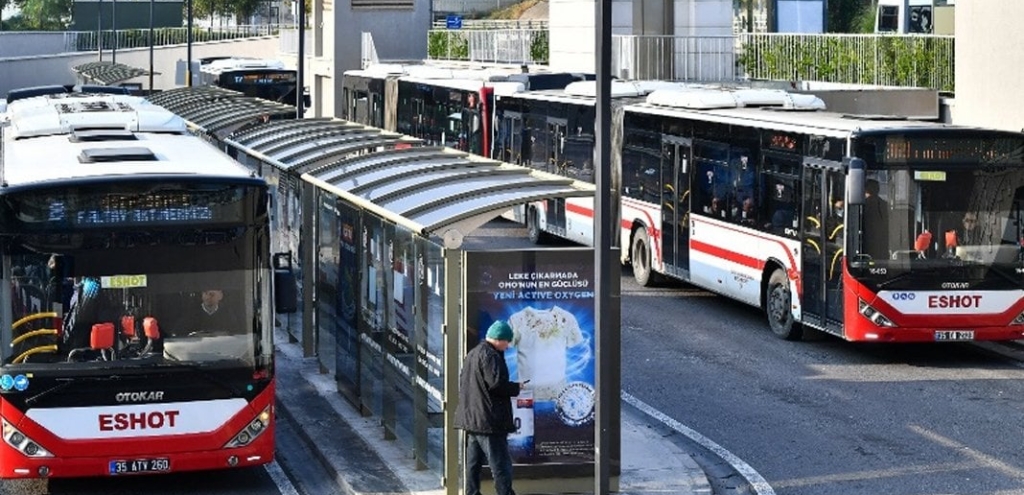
(139, 466)
(944, 335)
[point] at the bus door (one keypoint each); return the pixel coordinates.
(508, 139)
(556, 165)
(823, 237)
(675, 205)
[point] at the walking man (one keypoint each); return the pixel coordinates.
(485, 410)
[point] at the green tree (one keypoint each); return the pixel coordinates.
(844, 15)
(46, 15)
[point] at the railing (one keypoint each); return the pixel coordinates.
(83, 41)
(921, 61)
(496, 24)
(517, 46)
(690, 58)
(924, 61)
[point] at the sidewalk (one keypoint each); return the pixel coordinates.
(353, 447)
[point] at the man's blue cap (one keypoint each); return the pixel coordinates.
(500, 330)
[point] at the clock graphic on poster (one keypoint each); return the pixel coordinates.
(575, 404)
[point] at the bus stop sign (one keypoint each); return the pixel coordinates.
(454, 22)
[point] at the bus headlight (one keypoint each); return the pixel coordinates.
(1019, 320)
(251, 431)
(22, 443)
(874, 315)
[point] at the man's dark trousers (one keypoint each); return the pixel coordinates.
(492, 450)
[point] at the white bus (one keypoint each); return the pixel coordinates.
(116, 226)
(840, 223)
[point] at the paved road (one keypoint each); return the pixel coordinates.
(254, 481)
(826, 416)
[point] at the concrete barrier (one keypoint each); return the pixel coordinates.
(19, 72)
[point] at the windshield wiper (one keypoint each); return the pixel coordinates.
(176, 364)
(64, 383)
(897, 278)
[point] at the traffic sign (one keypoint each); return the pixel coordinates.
(454, 22)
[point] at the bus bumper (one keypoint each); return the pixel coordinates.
(14, 465)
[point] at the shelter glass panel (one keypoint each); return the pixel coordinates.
(399, 347)
(430, 349)
(372, 327)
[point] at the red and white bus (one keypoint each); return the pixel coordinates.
(120, 230)
(833, 222)
(444, 106)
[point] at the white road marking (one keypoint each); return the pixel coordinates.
(760, 485)
(284, 485)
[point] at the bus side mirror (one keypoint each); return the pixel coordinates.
(854, 180)
(286, 291)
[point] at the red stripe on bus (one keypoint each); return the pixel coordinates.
(732, 256)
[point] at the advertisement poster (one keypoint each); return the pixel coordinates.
(547, 296)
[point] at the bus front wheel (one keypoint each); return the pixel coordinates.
(779, 300)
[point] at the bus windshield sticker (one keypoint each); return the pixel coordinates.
(123, 281)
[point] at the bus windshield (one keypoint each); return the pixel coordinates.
(935, 220)
(119, 283)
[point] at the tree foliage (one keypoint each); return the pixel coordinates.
(44, 15)
(844, 15)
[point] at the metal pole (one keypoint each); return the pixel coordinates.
(300, 106)
(607, 340)
(113, 30)
(151, 45)
(188, 56)
(99, 28)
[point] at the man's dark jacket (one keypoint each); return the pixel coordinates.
(485, 392)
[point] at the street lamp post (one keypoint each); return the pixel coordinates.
(99, 29)
(607, 308)
(188, 50)
(113, 30)
(300, 90)
(151, 45)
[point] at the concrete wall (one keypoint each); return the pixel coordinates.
(19, 72)
(572, 38)
(398, 34)
(989, 64)
(29, 43)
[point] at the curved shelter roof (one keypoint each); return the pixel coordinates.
(220, 112)
(432, 190)
(107, 73)
(438, 191)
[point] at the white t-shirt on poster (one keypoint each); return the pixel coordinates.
(541, 338)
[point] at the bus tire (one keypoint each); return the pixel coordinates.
(778, 307)
(533, 231)
(640, 257)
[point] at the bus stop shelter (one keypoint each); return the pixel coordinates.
(375, 222)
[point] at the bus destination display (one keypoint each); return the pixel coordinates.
(264, 78)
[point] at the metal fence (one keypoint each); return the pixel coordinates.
(496, 24)
(691, 58)
(82, 41)
(923, 61)
(511, 46)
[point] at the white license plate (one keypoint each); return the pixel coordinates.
(950, 335)
(139, 466)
